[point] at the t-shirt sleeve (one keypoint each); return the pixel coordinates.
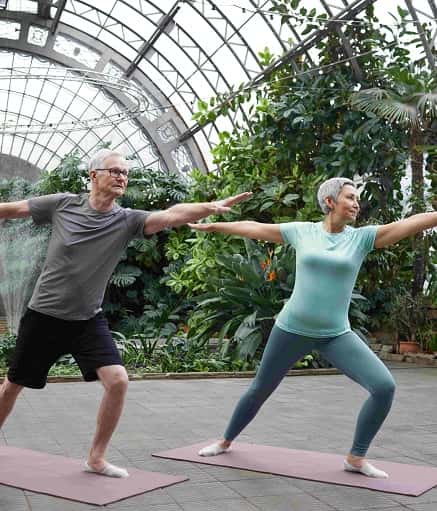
(366, 237)
(42, 208)
(289, 232)
(135, 220)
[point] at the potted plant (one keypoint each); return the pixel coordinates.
(410, 319)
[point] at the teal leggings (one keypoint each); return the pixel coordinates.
(347, 352)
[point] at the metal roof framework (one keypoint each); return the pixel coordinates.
(177, 52)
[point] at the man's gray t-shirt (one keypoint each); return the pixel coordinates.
(84, 249)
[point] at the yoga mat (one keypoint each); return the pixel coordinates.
(63, 477)
(314, 466)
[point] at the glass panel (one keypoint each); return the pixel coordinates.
(9, 29)
(23, 6)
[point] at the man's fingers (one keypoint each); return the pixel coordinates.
(238, 198)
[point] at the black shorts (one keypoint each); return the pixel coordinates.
(43, 339)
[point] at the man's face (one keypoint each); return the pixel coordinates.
(112, 178)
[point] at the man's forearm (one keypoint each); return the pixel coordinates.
(181, 214)
(18, 209)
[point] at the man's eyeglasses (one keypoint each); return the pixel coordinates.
(116, 172)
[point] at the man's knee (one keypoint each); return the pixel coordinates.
(115, 379)
(119, 383)
(10, 390)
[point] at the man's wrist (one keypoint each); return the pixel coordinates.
(212, 207)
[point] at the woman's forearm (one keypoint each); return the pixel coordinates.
(392, 233)
(420, 222)
(244, 228)
(249, 229)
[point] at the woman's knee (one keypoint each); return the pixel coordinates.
(384, 388)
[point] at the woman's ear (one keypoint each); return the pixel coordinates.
(329, 201)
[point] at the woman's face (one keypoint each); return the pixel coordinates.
(347, 205)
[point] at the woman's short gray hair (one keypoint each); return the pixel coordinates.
(331, 188)
(97, 160)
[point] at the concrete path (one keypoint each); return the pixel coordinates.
(306, 412)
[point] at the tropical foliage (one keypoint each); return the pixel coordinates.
(184, 300)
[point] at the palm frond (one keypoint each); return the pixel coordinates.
(398, 111)
(386, 105)
(427, 105)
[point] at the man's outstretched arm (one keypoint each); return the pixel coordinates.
(19, 209)
(181, 214)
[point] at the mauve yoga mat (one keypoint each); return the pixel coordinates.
(314, 466)
(63, 477)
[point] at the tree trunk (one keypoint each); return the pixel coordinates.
(418, 206)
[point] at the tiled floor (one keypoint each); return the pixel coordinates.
(306, 412)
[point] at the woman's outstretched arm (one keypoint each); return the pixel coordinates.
(246, 228)
(389, 234)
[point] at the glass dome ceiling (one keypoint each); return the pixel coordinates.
(171, 53)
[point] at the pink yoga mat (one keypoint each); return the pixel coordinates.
(314, 466)
(63, 477)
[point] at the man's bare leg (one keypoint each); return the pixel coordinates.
(115, 382)
(8, 395)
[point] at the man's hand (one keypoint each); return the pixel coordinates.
(181, 214)
(225, 205)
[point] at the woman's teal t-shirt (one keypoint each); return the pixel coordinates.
(327, 265)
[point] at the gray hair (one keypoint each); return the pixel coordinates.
(331, 188)
(97, 160)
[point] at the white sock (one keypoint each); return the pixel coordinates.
(212, 450)
(366, 469)
(109, 470)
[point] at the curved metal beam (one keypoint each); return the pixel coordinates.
(47, 52)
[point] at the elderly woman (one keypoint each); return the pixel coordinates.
(328, 258)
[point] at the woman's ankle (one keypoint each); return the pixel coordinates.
(225, 444)
(356, 461)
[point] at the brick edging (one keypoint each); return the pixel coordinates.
(196, 375)
(423, 359)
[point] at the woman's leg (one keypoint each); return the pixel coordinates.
(282, 351)
(355, 359)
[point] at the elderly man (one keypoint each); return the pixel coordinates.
(89, 234)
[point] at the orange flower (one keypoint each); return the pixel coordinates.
(271, 275)
(186, 328)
